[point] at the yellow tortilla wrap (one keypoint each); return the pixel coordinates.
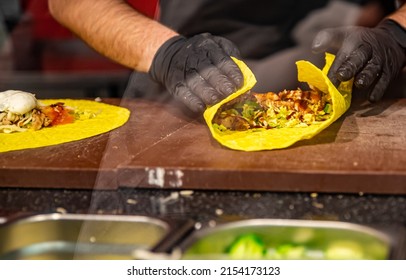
(278, 138)
(96, 118)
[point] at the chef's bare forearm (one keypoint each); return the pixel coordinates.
(400, 14)
(114, 29)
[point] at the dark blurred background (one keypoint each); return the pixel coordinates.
(39, 55)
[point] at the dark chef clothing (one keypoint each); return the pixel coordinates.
(259, 28)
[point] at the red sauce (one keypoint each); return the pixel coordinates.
(58, 114)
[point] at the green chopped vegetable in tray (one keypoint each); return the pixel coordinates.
(251, 246)
(278, 242)
(247, 246)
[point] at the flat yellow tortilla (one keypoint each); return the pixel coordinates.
(97, 118)
(269, 139)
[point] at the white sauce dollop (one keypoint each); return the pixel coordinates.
(17, 102)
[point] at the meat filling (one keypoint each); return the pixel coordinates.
(288, 108)
(36, 119)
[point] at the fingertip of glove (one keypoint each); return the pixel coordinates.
(344, 75)
(195, 107)
(214, 99)
(199, 108)
(229, 89)
(317, 44)
(333, 79)
(372, 99)
(375, 97)
(239, 82)
(360, 83)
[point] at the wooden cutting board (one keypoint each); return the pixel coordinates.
(163, 147)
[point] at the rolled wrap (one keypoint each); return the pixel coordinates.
(279, 138)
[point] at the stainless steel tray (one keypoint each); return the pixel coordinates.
(76, 236)
(305, 240)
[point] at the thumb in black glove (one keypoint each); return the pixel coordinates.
(373, 56)
(197, 71)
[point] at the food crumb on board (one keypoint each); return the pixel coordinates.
(219, 212)
(131, 201)
(318, 205)
(61, 210)
(161, 203)
(98, 99)
(172, 196)
(256, 195)
(212, 223)
(186, 193)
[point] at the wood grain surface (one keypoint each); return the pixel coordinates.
(161, 146)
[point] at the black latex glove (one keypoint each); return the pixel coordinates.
(197, 71)
(373, 56)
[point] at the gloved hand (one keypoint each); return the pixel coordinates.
(197, 71)
(374, 56)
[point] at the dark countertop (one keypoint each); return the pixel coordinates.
(208, 207)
